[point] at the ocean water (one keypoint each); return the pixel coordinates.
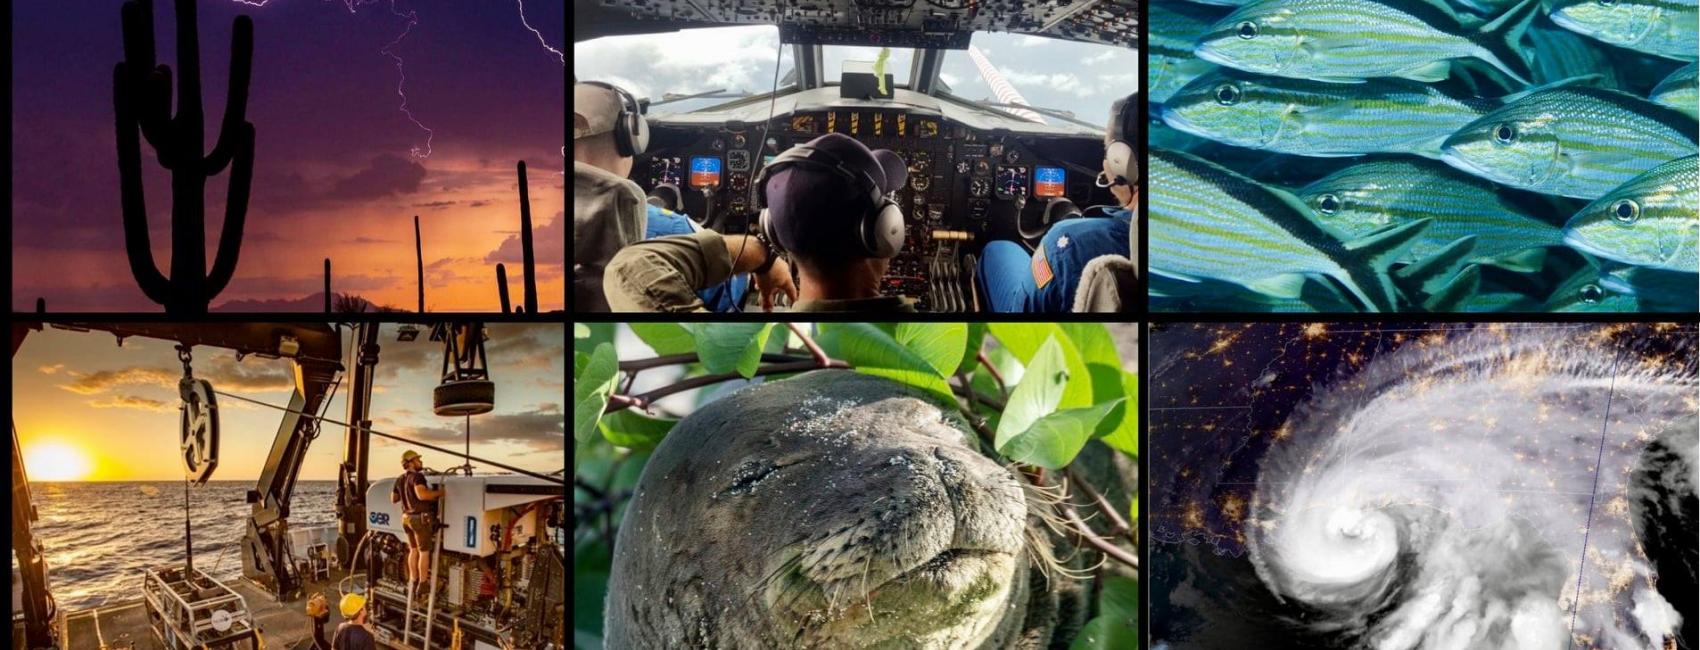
(99, 537)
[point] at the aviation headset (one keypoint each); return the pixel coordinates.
(879, 227)
(631, 130)
(1121, 154)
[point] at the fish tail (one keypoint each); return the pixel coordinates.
(1499, 41)
(1368, 273)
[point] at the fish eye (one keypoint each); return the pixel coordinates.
(1592, 293)
(1328, 203)
(1247, 29)
(1505, 134)
(1626, 211)
(1227, 95)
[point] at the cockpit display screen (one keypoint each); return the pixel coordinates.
(705, 172)
(1048, 181)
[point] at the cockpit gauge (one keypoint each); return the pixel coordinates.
(977, 209)
(663, 169)
(926, 128)
(1012, 157)
(996, 150)
(980, 187)
(1011, 182)
(738, 160)
(962, 167)
(803, 124)
(920, 182)
(738, 140)
(740, 181)
(717, 144)
(981, 168)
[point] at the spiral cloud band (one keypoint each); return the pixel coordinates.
(1475, 491)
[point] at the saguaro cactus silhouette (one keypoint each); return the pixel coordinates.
(529, 262)
(142, 96)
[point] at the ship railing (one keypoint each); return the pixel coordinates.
(195, 609)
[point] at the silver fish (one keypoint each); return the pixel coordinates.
(1570, 141)
(1680, 91)
(1363, 198)
(1207, 222)
(1175, 26)
(1352, 40)
(1667, 28)
(1653, 220)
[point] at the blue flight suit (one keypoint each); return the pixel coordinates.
(1044, 282)
(724, 297)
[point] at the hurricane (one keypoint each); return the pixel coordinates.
(1482, 491)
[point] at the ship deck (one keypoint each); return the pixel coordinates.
(124, 625)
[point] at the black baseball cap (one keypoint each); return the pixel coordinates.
(811, 210)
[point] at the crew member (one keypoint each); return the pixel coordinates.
(352, 634)
(1048, 279)
(419, 516)
(826, 204)
(609, 211)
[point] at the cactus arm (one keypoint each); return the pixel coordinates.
(236, 105)
(132, 200)
(154, 115)
(502, 287)
(235, 212)
(526, 258)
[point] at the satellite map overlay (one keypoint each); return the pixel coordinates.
(1415, 486)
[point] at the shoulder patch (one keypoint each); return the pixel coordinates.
(1041, 268)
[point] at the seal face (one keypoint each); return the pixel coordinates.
(829, 510)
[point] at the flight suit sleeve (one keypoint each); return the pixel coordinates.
(664, 274)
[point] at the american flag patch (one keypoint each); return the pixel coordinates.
(1041, 268)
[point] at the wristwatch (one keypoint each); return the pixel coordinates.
(771, 251)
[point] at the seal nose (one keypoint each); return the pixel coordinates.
(990, 507)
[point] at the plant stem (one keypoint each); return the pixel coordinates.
(808, 342)
(1092, 539)
(1118, 523)
(617, 402)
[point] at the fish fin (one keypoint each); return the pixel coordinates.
(1425, 276)
(1578, 80)
(1529, 260)
(1452, 296)
(1286, 285)
(1387, 245)
(1429, 72)
(1500, 41)
(1172, 275)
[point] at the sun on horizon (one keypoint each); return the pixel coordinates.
(56, 461)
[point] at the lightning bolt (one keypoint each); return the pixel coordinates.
(545, 43)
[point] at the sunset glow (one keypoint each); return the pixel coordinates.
(56, 461)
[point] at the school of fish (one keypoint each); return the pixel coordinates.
(1424, 155)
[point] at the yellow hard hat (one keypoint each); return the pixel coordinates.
(351, 605)
(409, 455)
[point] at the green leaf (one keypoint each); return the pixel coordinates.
(941, 345)
(591, 387)
(1024, 341)
(971, 351)
(1117, 624)
(1121, 428)
(873, 352)
(1040, 391)
(596, 334)
(665, 338)
(1054, 440)
(724, 347)
(580, 330)
(635, 430)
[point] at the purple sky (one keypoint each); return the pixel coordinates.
(334, 171)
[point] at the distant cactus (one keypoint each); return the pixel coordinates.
(142, 98)
(419, 261)
(525, 243)
(502, 287)
(327, 285)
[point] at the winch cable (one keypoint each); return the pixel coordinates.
(558, 480)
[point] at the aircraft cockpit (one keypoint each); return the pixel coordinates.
(997, 109)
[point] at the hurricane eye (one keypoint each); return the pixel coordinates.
(1328, 203)
(1626, 211)
(1247, 29)
(1505, 134)
(1592, 293)
(1227, 95)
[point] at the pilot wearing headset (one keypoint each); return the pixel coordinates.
(825, 203)
(1049, 279)
(609, 212)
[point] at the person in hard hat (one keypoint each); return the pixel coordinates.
(319, 609)
(352, 634)
(419, 516)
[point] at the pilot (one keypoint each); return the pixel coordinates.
(826, 203)
(1099, 248)
(609, 211)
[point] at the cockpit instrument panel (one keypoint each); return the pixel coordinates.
(666, 169)
(1011, 182)
(1049, 181)
(705, 172)
(738, 160)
